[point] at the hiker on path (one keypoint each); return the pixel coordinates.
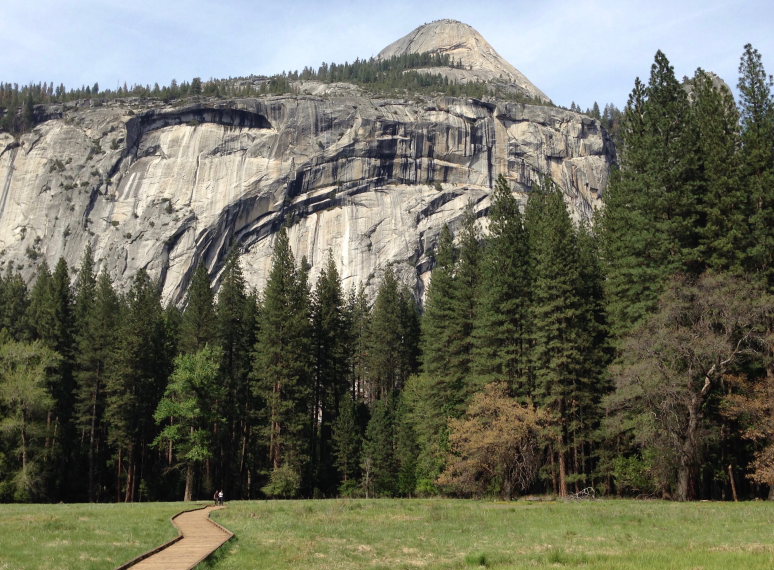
(220, 497)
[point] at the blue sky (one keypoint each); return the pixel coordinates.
(582, 50)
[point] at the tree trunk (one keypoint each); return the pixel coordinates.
(24, 449)
(189, 479)
(733, 482)
(119, 466)
(689, 454)
(562, 473)
(92, 444)
(129, 491)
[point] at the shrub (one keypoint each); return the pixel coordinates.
(284, 483)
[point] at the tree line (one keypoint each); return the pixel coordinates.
(635, 357)
(406, 73)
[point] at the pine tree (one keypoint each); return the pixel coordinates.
(439, 312)
(136, 383)
(84, 289)
(757, 158)
(725, 235)
(198, 324)
(450, 313)
(500, 334)
(51, 315)
(392, 348)
(466, 278)
(406, 450)
(97, 343)
(650, 224)
(282, 365)
(347, 442)
(596, 351)
(358, 317)
(40, 311)
(238, 452)
(330, 369)
(378, 466)
(556, 312)
(14, 306)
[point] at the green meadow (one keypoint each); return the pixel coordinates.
(395, 534)
(448, 534)
(82, 536)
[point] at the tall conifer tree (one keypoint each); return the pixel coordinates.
(282, 364)
(136, 384)
(238, 452)
(757, 119)
(330, 369)
(556, 316)
(500, 334)
(650, 224)
(197, 328)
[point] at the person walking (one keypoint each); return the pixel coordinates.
(220, 497)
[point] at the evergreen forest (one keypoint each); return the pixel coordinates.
(634, 356)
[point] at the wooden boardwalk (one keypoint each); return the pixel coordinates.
(200, 538)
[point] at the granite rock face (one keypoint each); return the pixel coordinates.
(371, 179)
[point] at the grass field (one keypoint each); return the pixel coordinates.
(88, 537)
(394, 534)
(446, 534)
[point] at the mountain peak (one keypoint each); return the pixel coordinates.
(461, 42)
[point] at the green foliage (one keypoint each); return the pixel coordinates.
(673, 363)
(284, 483)
(26, 399)
(501, 328)
(632, 474)
(393, 337)
(188, 410)
(137, 379)
(331, 354)
(379, 466)
(757, 160)
(282, 364)
(347, 440)
(97, 309)
(197, 328)
(450, 314)
(239, 450)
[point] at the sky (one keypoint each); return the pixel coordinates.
(578, 51)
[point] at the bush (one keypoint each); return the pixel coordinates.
(284, 483)
(350, 489)
(632, 474)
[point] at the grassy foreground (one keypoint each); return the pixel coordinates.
(447, 534)
(84, 536)
(382, 534)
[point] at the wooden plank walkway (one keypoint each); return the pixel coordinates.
(201, 537)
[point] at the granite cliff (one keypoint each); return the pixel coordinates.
(373, 179)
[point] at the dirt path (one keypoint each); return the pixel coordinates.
(201, 537)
